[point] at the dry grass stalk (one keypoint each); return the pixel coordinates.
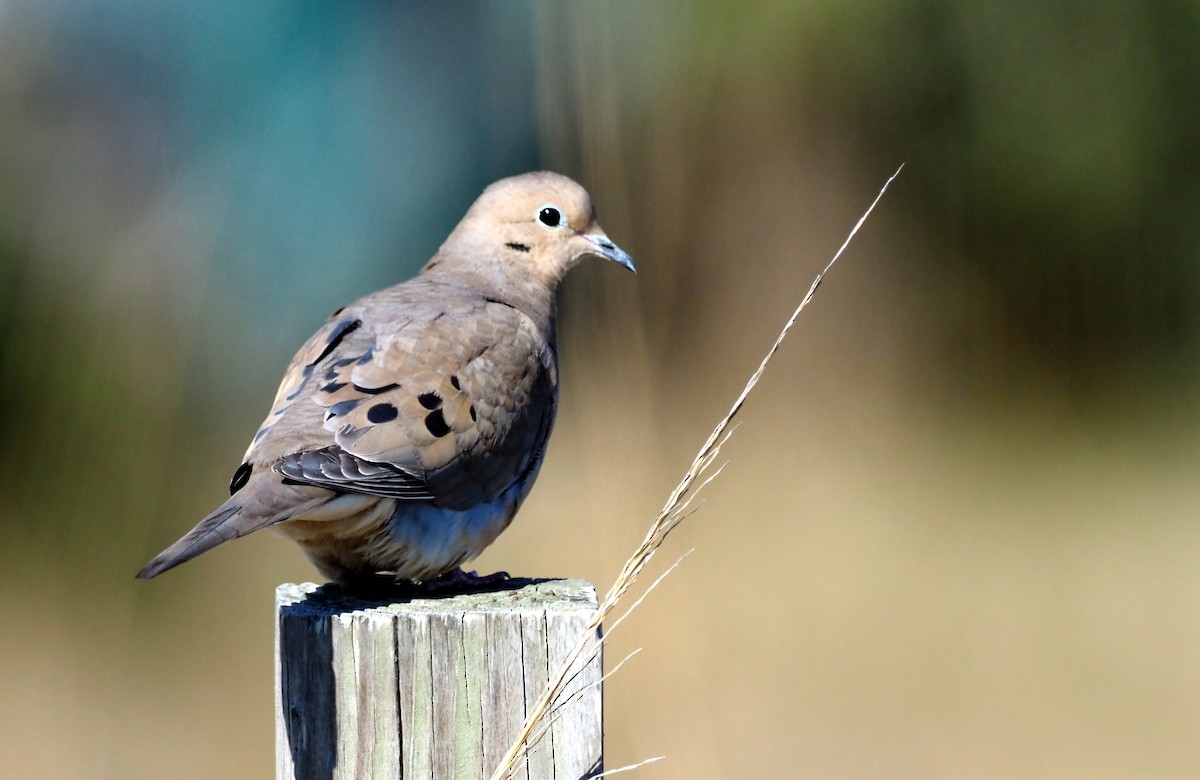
(677, 507)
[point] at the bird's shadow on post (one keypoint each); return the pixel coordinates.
(308, 700)
(381, 590)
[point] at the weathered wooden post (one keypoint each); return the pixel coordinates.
(431, 689)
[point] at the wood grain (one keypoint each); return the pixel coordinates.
(431, 689)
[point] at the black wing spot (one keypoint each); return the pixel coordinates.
(381, 413)
(343, 407)
(240, 478)
(375, 390)
(343, 329)
(333, 387)
(471, 409)
(430, 400)
(436, 423)
(454, 382)
(489, 299)
(517, 247)
(308, 372)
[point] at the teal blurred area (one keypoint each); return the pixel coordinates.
(957, 536)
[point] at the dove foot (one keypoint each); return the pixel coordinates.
(385, 587)
(459, 581)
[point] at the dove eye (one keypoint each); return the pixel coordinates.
(551, 216)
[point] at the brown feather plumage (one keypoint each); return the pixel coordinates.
(408, 430)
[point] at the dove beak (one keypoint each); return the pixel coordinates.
(610, 251)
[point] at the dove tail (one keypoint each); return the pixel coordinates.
(220, 526)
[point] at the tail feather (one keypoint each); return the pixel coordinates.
(222, 525)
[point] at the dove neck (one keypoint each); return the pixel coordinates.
(532, 297)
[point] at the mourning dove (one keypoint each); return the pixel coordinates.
(408, 430)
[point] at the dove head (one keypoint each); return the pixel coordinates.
(529, 230)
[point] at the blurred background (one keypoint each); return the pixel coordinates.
(957, 535)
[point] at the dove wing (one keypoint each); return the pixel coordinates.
(452, 405)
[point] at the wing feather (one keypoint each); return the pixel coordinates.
(452, 405)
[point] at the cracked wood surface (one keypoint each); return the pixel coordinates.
(431, 688)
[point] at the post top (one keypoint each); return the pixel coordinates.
(519, 595)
